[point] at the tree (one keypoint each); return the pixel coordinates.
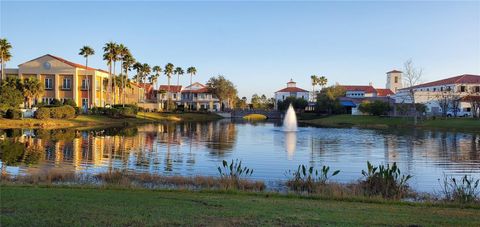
(297, 103)
(32, 89)
(10, 97)
(86, 51)
(169, 69)
(178, 71)
(328, 102)
(412, 77)
(192, 71)
(127, 64)
(109, 56)
(123, 54)
(322, 81)
(375, 108)
(156, 70)
(241, 103)
(5, 55)
(224, 90)
(314, 80)
(146, 70)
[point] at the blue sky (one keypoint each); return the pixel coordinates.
(257, 45)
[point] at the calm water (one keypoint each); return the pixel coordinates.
(198, 148)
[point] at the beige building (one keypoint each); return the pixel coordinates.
(63, 80)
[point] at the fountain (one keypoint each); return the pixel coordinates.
(290, 120)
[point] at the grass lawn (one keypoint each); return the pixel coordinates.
(89, 121)
(468, 124)
(42, 206)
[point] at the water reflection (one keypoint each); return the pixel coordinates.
(290, 143)
(197, 149)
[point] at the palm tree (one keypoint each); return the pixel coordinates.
(146, 70)
(32, 88)
(192, 71)
(123, 52)
(108, 56)
(86, 51)
(168, 72)
(179, 71)
(128, 61)
(314, 80)
(116, 53)
(5, 55)
(322, 81)
(157, 70)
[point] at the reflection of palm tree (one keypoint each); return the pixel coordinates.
(223, 135)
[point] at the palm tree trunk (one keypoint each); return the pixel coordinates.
(124, 86)
(114, 84)
(191, 75)
(109, 83)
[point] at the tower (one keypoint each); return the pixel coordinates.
(394, 80)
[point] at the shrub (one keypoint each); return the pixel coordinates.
(375, 108)
(56, 102)
(13, 114)
(233, 172)
(128, 112)
(466, 190)
(113, 112)
(70, 102)
(62, 112)
(387, 181)
(309, 179)
(42, 113)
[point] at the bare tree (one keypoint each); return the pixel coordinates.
(473, 98)
(448, 100)
(412, 77)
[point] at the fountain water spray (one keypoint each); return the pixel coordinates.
(290, 120)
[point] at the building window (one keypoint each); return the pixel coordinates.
(174, 96)
(434, 89)
(67, 83)
(97, 86)
(84, 84)
(441, 88)
(396, 79)
(47, 100)
(477, 89)
(48, 83)
(462, 88)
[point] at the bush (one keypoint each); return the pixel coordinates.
(297, 103)
(309, 179)
(387, 181)
(113, 112)
(61, 112)
(13, 114)
(128, 112)
(375, 108)
(466, 190)
(56, 102)
(42, 113)
(233, 173)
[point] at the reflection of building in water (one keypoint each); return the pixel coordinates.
(391, 144)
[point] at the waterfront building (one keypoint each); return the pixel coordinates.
(63, 79)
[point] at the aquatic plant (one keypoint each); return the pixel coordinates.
(308, 178)
(465, 190)
(386, 181)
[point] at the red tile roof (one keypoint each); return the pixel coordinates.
(395, 71)
(68, 63)
(366, 89)
(462, 79)
(173, 88)
(292, 89)
(384, 92)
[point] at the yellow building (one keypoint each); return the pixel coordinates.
(63, 80)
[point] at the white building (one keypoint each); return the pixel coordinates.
(197, 97)
(291, 91)
(430, 93)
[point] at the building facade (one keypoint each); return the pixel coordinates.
(197, 97)
(432, 93)
(291, 91)
(63, 80)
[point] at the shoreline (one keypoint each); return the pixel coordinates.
(373, 122)
(99, 121)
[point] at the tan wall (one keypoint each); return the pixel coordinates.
(50, 93)
(65, 93)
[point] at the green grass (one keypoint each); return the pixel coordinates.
(385, 122)
(89, 121)
(41, 206)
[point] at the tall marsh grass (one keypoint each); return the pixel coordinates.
(464, 190)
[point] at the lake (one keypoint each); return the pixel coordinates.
(198, 149)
